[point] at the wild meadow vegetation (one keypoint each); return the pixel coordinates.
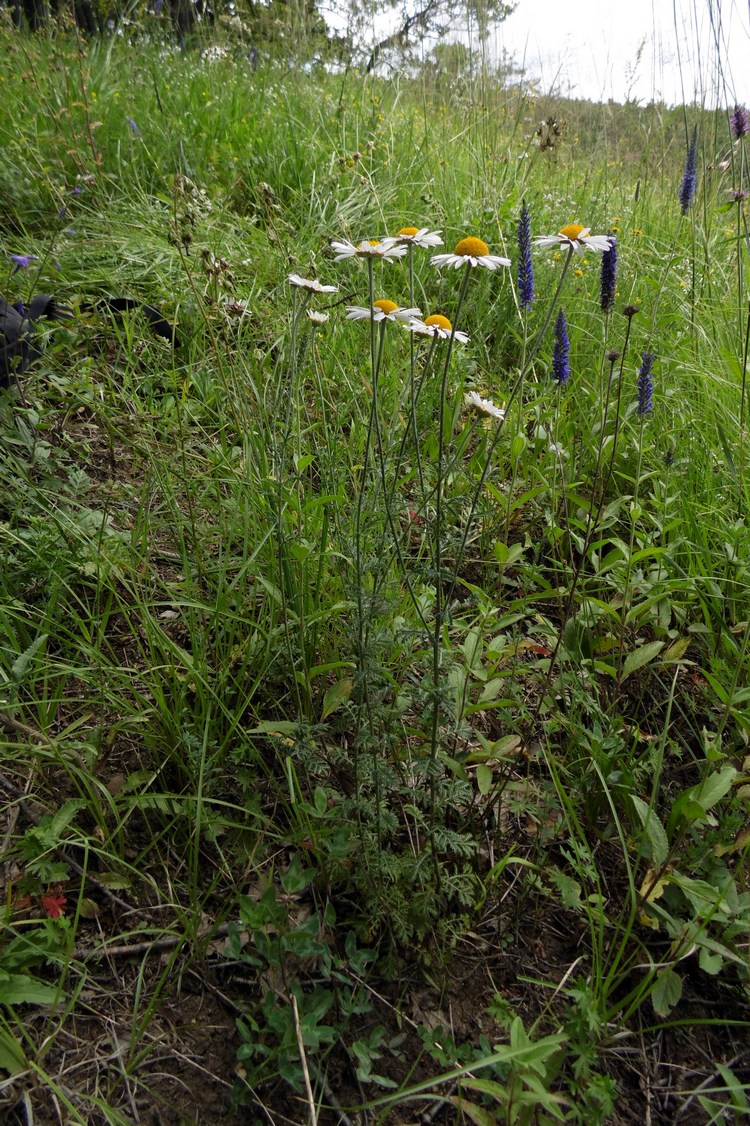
(374, 696)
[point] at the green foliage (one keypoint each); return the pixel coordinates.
(279, 593)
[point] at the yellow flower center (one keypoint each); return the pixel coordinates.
(385, 305)
(572, 231)
(473, 247)
(439, 320)
(407, 231)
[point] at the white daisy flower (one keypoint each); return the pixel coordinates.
(576, 237)
(318, 318)
(437, 325)
(369, 248)
(419, 236)
(473, 251)
(475, 402)
(311, 283)
(382, 310)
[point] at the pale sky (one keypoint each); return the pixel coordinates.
(693, 50)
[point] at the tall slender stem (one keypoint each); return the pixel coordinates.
(499, 429)
(438, 558)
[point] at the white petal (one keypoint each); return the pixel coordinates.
(599, 242)
(544, 242)
(441, 260)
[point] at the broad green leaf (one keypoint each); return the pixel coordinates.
(667, 992)
(472, 648)
(484, 778)
(714, 787)
(654, 831)
(24, 990)
(492, 690)
(677, 649)
(709, 962)
(641, 656)
(335, 697)
(506, 556)
(275, 727)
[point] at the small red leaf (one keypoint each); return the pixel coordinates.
(54, 904)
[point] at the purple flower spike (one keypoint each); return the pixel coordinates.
(561, 351)
(690, 175)
(525, 265)
(739, 122)
(133, 126)
(608, 277)
(22, 261)
(646, 384)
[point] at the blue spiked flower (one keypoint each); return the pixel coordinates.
(561, 351)
(608, 277)
(646, 384)
(690, 175)
(525, 265)
(739, 122)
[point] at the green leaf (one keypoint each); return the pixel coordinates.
(667, 992)
(709, 962)
(12, 1058)
(19, 666)
(654, 830)
(714, 787)
(472, 648)
(21, 989)
(506, 556)
(275, 727)
(641, 656)
(335, 697)
(484, 778)
(476, 1114)
(570, 889)
(677, 649)
(320, 800)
